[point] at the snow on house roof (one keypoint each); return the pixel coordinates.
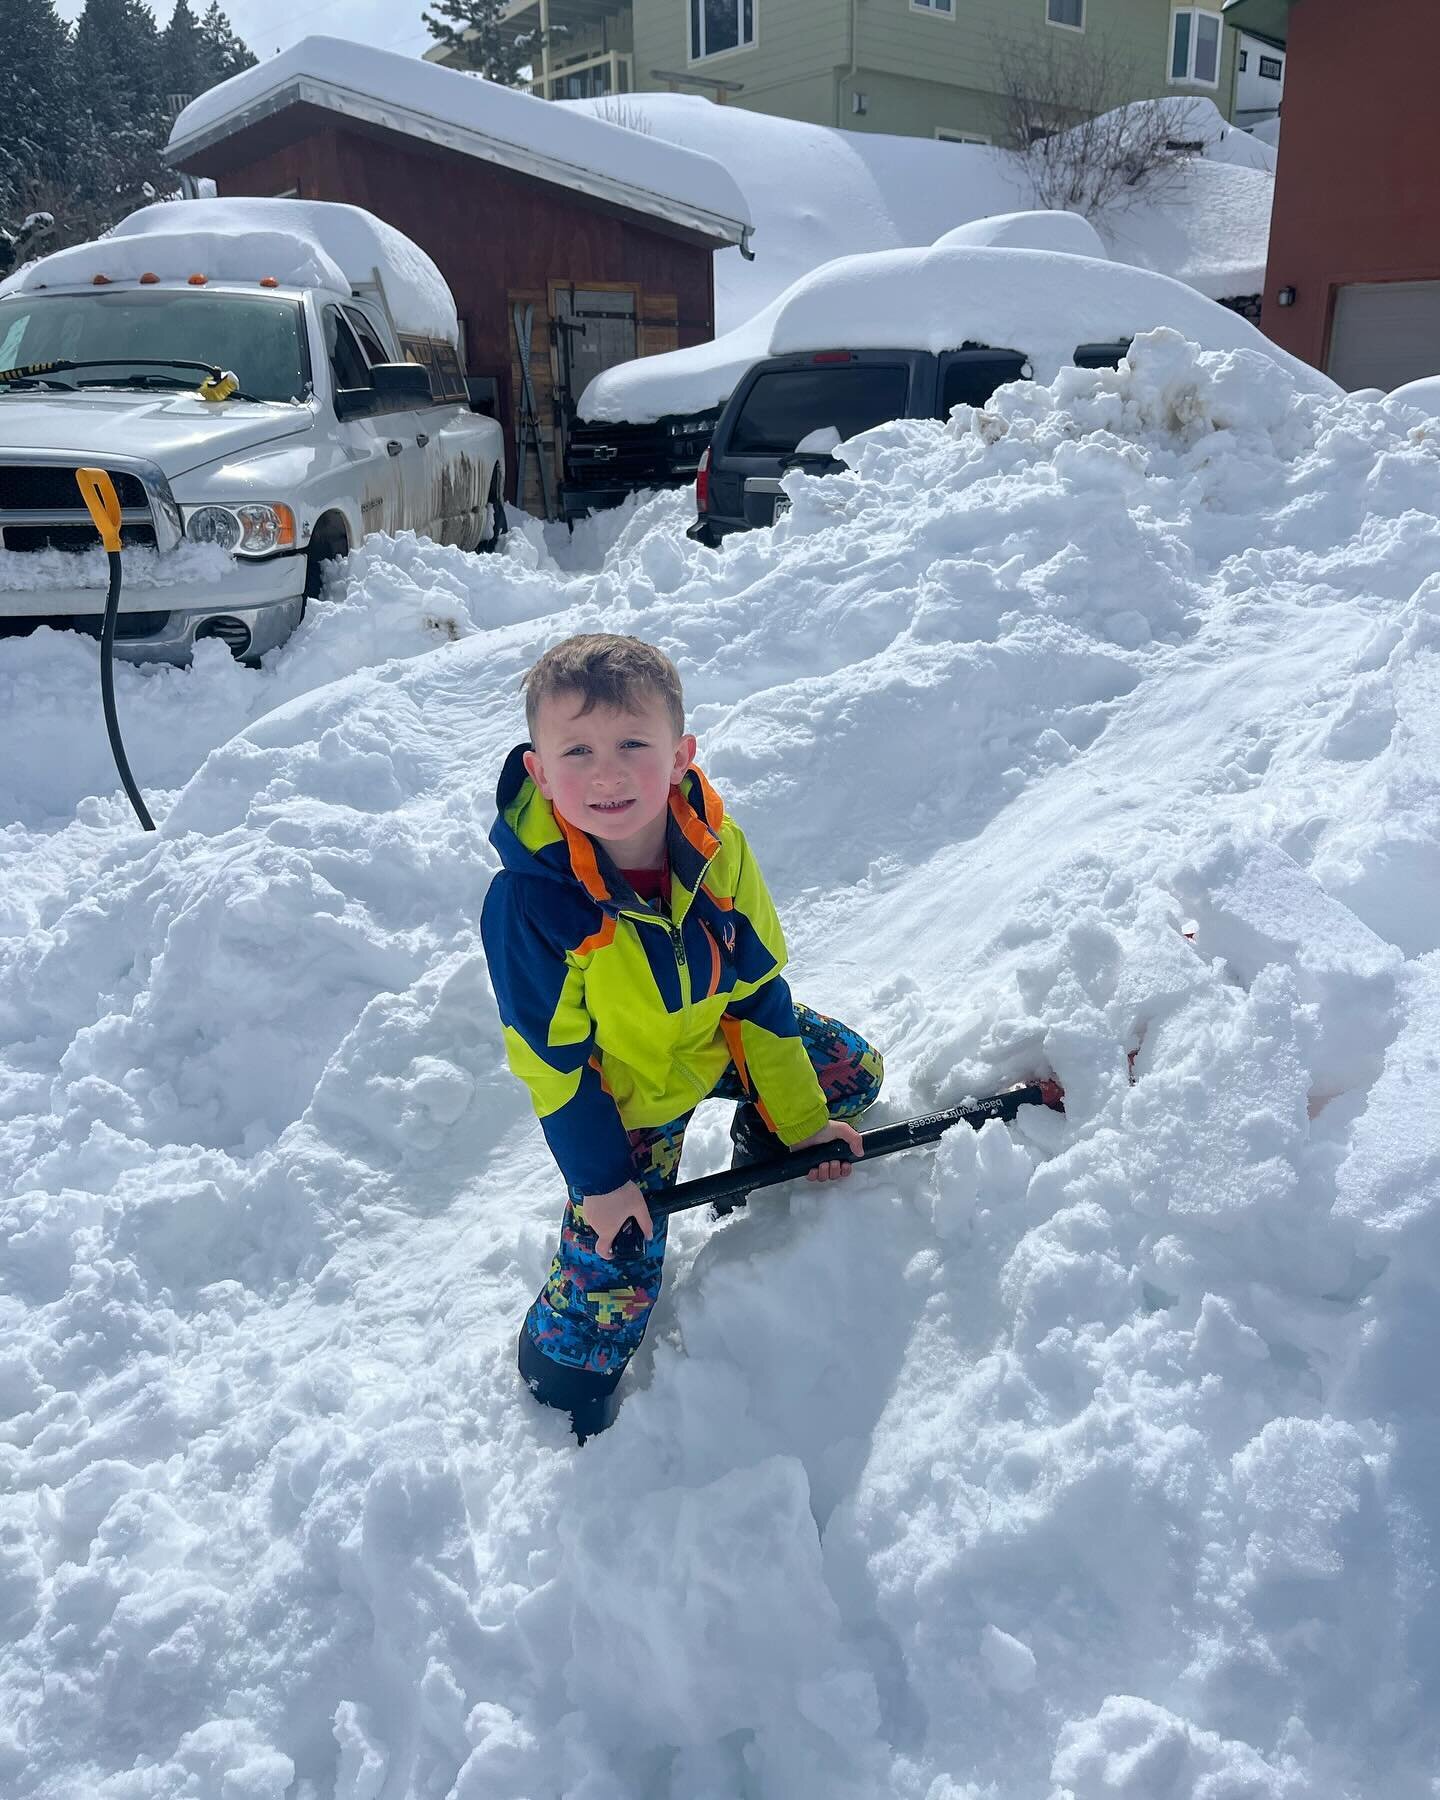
(466, 113)
(1042, 303)
(847, 191)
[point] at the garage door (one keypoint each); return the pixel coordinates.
(1385, 332)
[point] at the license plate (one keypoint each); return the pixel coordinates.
(782, 505)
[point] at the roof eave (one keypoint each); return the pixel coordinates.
(1261, 18)
(466, 140)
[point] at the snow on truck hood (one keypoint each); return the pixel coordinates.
(178, 432)
(1040, 302)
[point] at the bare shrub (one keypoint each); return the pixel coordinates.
(1085, 150)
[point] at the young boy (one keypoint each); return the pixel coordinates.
(636, 955)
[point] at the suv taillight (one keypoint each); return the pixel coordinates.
(702, 483)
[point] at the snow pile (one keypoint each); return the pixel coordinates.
(36, 571)
(847, 191)
(1043, 303)
(498, 124)
(1069, 233)
(1091, 1460)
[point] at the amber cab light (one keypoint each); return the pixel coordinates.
(101, 281)
(198, 280)
(702, 483)
(148, 280)
(268, 281)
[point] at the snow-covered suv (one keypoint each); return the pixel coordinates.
(349, 415)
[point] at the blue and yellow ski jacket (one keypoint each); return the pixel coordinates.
(618, 1014)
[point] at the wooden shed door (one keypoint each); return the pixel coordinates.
(595, 329)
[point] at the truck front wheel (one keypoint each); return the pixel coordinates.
(328, 542)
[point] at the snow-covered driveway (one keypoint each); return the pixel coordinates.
(1091, 1460)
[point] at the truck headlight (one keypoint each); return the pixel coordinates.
(253, 529)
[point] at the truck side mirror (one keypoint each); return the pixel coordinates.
(400, 386)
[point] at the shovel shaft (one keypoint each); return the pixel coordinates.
(885, 1140)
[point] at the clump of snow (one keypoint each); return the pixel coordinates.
(39, 571)
(1423, 394)
(1089, 1459)
(497, 124)
(1067, 232)
(1041, 303)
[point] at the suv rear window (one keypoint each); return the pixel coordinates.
(972, 376)
(786, 405)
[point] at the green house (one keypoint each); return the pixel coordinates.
(918, 68)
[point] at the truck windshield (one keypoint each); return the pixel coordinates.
(786, 405)
(257, 337)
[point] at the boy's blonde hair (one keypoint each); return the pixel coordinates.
(606, 669)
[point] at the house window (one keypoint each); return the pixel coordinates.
(947, 136)
(720, 25)
(946, 8)
(1195, 47)
(1070, 13)
(1271, 68)
(1244, 61)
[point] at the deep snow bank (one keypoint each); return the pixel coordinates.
(1090, 1461)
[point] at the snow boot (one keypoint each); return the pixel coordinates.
(753, 1142)
(590, 1399)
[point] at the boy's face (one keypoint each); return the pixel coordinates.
(610, 771)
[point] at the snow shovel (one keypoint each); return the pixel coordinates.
(885, 1140)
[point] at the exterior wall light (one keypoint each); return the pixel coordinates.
(1286, 297)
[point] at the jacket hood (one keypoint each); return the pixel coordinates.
(533, 839)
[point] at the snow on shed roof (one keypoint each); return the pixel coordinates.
(1042, 303)
(477, 118)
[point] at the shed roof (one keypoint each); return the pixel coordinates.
(478, 118)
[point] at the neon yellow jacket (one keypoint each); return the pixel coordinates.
(618, 1014)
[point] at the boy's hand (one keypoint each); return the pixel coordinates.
(836, 1129)
(606, 1214)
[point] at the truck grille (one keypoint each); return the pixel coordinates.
(41, 509)
(635, 456)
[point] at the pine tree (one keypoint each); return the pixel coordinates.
(36, 103)
(222, 54)
(182, 58)
(471, 30)
(117, 66)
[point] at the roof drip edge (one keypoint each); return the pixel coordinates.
(350, 103)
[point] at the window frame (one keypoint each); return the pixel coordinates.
(934, 9)
(696, 10)
(951, 134)
(1195, 14)
(1277, 65)
(1064, 24)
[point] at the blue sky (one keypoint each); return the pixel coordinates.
(271, 25)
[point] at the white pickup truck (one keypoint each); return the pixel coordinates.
(349, 415)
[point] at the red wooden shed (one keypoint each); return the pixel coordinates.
(570, 242)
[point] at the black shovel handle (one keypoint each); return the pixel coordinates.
(885, 1140)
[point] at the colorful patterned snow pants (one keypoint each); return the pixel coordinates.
(587, 1321)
